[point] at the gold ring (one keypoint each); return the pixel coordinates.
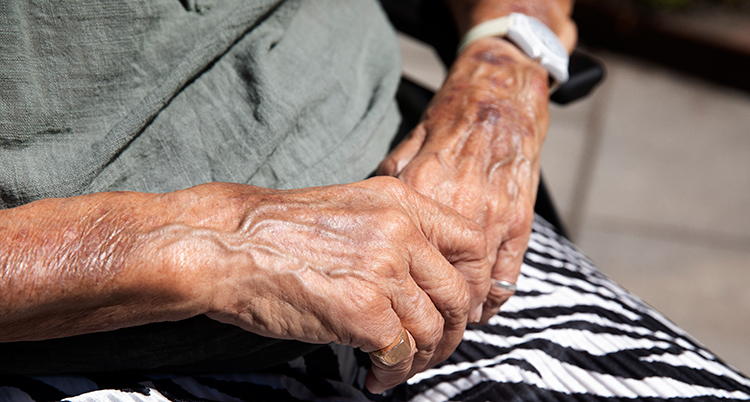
(396, 352)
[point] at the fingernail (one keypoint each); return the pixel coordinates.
(476, 315)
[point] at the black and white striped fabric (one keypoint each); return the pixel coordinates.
(569, 334)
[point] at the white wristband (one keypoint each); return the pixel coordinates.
(530, 35)
(496, 27)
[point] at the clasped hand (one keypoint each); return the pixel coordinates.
(350, 264)
(354, 264)
(477, 150)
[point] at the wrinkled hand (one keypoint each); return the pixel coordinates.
(477, 150)
(349, 264)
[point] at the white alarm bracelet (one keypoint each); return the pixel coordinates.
(531, 36)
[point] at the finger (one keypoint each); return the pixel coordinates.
(433, 305)
(450, 293)
(424, 325)
(398, 351)
(463, 244)
(506, 269)
(439, 238)
(395, 162)
(394, 368)
(460, 240)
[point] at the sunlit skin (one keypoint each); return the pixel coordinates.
(351, 264)
(478, 145)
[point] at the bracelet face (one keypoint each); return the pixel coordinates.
(540, 43)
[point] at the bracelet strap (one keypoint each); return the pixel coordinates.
(530, 35)
(494, 27)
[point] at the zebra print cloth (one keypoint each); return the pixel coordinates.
(569, 334)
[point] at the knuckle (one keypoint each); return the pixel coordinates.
(474, 243)
(372, 326)
(388, 167)
(455, 310)
(476, 235)
(394, 269)
(393, 222)
(423, 171)
(461, 302)
(432, 335)
(389, 183)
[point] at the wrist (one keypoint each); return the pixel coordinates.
(501, 70)
(214, 241)
(198, 242)
(502, 96)
(554, 14)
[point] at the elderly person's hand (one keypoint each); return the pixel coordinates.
(478, 145)
(351, 264)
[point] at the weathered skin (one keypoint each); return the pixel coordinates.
(478, 145)
(348, 264)
(351, 264)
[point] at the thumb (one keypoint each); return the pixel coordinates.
(395, 162)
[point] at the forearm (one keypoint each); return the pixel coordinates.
(95, 263)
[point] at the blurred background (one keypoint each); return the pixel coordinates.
(651, 172)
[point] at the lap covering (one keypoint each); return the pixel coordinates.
(155, 96)
(569, 334)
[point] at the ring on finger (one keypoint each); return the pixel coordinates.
(511, 287)
(396, 352)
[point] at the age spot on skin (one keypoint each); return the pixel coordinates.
(489, 57)
(488, 113)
